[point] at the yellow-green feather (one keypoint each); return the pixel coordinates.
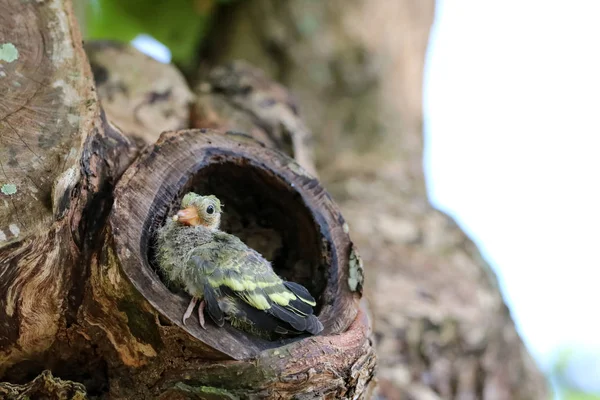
(283, 298)
(311, 303)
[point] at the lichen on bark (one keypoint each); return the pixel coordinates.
(44, 386)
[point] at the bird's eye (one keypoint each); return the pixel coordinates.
(210, 209)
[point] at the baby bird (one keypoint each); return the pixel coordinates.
(231, 280)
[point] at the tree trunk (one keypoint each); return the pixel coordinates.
(79, 295)
(59, 160)
(356, 68)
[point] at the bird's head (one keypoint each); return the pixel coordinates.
(199, 210)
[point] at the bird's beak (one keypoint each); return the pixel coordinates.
(188, 216)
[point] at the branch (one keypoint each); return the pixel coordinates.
(59, 158)
(140, 95)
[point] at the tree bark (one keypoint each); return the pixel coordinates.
(141, 96)
(59, 160)
(356, 69)
(239, 96)
(80, 296)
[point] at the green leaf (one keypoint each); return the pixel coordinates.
(178, 24)
(107, 19)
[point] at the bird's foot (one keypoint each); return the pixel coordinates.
(190, 309)
(201, 313)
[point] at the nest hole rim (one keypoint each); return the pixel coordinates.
(208, 150)
(291, 203)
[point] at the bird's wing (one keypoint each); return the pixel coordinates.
(198, 267)
(232, 266)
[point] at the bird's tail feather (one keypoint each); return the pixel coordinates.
(301, 292)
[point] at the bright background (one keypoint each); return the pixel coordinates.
(512, 121)
(512, 128)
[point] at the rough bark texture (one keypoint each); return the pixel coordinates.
(45, 386)
(140, 95)
(79, 296)
(238, 96)
(59, 158)
(356, 68)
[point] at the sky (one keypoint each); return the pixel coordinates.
(512, 131)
